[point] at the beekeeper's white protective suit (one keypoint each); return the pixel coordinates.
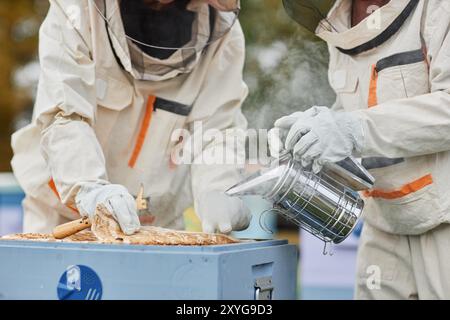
(98, 120)
(396, 80)
(391, 74)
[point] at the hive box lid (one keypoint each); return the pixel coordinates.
(246, 244)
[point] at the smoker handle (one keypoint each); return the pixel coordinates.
(261, 222)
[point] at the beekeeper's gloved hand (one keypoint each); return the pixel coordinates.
(320, 135)
(220, 213)
(277, 135)
(117, 200)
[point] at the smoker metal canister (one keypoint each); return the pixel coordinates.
(322, 204)
(319, 204)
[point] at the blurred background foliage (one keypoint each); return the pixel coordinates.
(285, 70)
(19, 25)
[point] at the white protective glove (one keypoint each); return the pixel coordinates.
(220, 213)
(318, 136)
(116, 198)
(276, 136)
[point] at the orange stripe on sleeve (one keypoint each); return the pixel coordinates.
(402, 192)
(143, 131)
(52, 186)
(373, 86)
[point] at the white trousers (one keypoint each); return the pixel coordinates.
(404, 267)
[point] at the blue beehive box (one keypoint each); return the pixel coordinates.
(250, 270)
(11, 213)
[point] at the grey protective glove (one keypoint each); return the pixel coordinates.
(318, 135)
(220, 213)
(277, 135)
(116, 198)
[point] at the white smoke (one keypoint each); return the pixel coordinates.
(290, 76)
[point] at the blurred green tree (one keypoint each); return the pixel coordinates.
(19, 24)
(286, 67)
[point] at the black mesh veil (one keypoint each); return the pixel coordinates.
(164, 40)
(310, 13)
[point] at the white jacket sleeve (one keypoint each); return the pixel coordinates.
(66, 103)
(419, 125)
(218, 110)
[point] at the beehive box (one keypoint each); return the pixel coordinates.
(249, 270)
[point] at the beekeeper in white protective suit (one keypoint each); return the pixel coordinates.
(391, 73)
(118, 79)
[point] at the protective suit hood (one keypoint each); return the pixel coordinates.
(369, 33)
(331, 21)
(157, 58)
